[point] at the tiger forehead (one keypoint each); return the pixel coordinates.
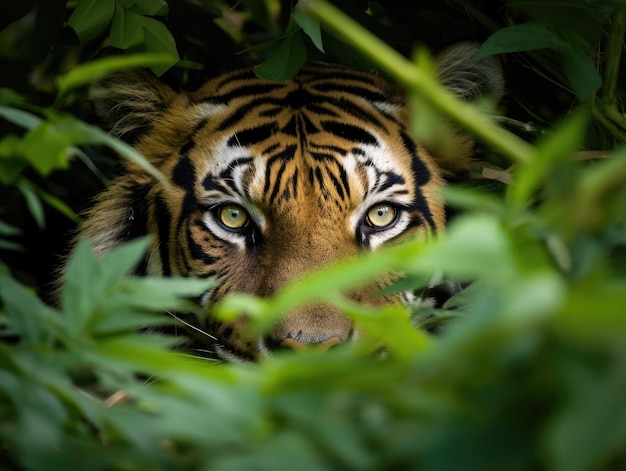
(315, 101)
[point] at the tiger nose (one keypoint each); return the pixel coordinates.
(297, 345)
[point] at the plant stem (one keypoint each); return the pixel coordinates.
(418, 80)
(613, 57)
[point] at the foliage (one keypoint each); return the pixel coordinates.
(529, 370)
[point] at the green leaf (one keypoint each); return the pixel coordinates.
(8, 230)
(45, 147)
(590, 427)
(555, 149)
(286, 60)
(90, 72)
(12, 162)
(56, 203)
(145, 7)
(20, 117)
(91, 17)
(517, 38)
(131, 298)
(88, 280)
(126, 29)
(310, 26)
(40, 413)
(8, 245)
(158, 39)
(32, 202)
(10, 97)
(581, 74)
(33, 321)
(474, 247)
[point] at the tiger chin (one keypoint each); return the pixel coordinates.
(268, 181)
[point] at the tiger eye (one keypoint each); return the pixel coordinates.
(381, 215)
(233, 216)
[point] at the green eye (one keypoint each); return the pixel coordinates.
(233, 217)
(380, 215)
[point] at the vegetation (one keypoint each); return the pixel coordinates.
(529, 371)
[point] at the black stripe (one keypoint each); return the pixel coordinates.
(241, 92)
(420, 204)
(243, 74)
(337, 150)
(184, 174)
(294, 183)
(350, 132)
(283, 156)
(277, 182)
(320, 181)
(323, 157)
(228, 173)
(336, 183)
(164, 223)
(421, 174)
(196, 250)
(251, 136)
(209, 184)
(239, 113)
(344, 179)
(309, 127)
(291, 128)
(391, 179)
(363, 92)
(321, 110)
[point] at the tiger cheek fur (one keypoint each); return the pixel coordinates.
(268, 181)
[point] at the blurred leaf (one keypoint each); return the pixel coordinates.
(145, 7)
(132, 297)
(591, 425)
(474, 247)
(157, 40)
(90, 72)
(392, 327)
(45, 147)
(21, 118)
(595, 313)
(91, 17)
(33, 321)
(286, 60)
(310, 26)
(33, 203)
(555, 149)
(517, 38)
(581, 74)
(56, 203)
(11, 162)
(8, 245)
(9, 97)
(8, 229)
(472, 199)
(88, 281)
(126, 29)
(41, 413)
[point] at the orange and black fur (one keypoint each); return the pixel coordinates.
(268, 181)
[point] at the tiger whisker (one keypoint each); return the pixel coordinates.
(191, 326)
(198, 357)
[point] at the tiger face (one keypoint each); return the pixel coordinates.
(269, 181)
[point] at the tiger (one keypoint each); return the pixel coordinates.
(268, 181)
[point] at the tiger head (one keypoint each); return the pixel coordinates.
(268, 181)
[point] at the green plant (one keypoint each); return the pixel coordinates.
(529, 374)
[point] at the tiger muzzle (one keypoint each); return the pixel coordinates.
(320, 326)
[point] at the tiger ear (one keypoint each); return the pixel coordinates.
(471, 80)
(467, 77)
(129, 102)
